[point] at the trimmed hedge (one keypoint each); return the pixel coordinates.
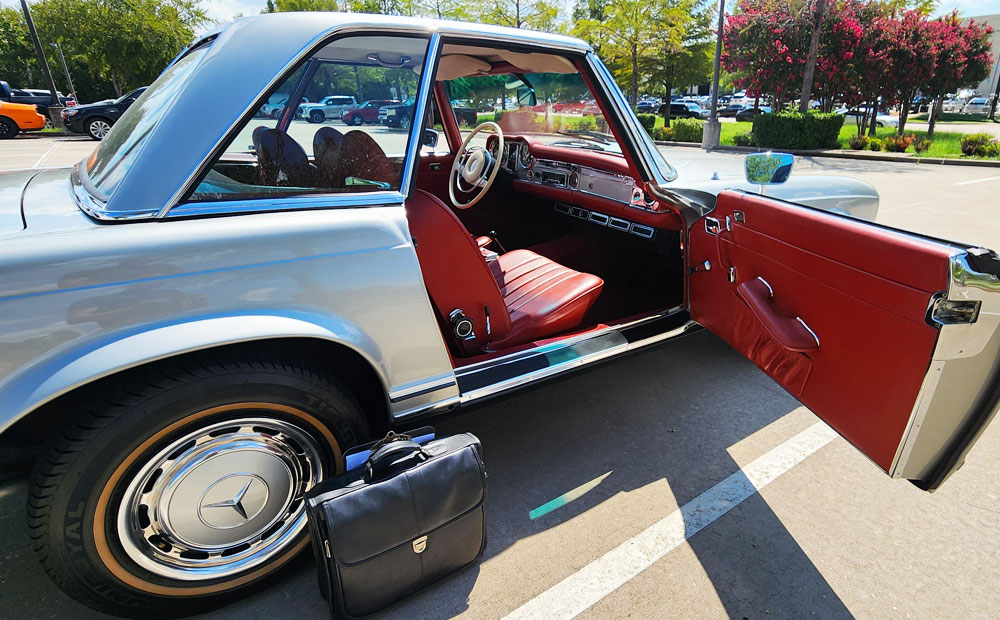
(791, 130)
(647, 121)
(687, 129)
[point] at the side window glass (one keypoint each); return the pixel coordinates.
(338, 124)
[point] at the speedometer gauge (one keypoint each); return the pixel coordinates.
(525, 158)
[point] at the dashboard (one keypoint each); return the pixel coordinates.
(584, 184)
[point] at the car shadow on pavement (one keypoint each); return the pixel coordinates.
(661, 422)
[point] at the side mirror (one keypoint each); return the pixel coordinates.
(430, 138)
(768, 168)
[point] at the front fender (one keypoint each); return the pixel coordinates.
(115, 352)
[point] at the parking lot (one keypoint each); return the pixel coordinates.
(678, 482)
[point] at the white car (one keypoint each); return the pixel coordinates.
(977, 105)
(327, 108)
(953, 105)
(881, 120)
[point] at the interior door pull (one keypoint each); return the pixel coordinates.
(791, 333)
(434, 165)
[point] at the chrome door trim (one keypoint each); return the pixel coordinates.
(427, 387)
(957, 345)
(358, 28)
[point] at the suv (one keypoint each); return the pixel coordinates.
(680, 110)
(367, 112)
(328, 107)
(96, 119)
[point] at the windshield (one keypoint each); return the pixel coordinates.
(565, 112)
(114, 155)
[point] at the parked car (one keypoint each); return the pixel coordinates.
(96, 119)
(332, 107)
(33, 96)
(881, 119)
(955, 106)
(977, 105)
(18, 117)
(731, 110)
(194, 331)
(366, 113)
(750, 113)
(681, 110)
(647, 107)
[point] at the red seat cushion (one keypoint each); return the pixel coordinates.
(542, 297)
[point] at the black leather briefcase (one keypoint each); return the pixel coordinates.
(409, 516)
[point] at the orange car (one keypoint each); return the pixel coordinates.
(15, 117)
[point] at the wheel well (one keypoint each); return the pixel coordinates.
(35, 427)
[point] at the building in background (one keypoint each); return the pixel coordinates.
(989, 85)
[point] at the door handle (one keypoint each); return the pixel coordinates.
(434, 165)
(791, 333)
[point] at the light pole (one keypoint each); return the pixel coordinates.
(713, 128)
(56, 107)
(69, 80)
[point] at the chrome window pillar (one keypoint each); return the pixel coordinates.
(425, 92)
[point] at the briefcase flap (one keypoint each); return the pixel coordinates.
(374, 518)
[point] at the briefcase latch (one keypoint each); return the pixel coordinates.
(420, 544)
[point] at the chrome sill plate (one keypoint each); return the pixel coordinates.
(495, 376)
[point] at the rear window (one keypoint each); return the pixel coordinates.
(341, 101)
(118, 150)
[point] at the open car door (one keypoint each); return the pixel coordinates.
(890, 338)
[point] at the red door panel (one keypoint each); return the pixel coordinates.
(832, 309)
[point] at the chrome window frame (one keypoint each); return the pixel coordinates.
(177, 208)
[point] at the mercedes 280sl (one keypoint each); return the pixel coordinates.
(198, 319)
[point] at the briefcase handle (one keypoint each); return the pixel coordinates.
(390, 453)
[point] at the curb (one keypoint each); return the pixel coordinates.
(845, 154)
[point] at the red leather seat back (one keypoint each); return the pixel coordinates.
(455, 273)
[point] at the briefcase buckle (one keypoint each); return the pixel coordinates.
(420, 544)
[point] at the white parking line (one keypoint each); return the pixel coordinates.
(45, 155)
(978, 181)
(578, 592)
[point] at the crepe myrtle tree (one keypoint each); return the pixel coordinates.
(911, 59)
(961, 58)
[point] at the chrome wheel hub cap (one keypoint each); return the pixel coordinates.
(220, 500)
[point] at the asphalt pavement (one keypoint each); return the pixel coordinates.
(689, 484)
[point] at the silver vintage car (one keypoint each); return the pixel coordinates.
(198, 319)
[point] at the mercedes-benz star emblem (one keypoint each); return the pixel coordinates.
(233, 500)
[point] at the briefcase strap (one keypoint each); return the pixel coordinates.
(389, 454)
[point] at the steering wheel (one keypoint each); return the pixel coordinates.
(476, 166)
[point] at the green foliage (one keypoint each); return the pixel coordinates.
(859, 143)
(743, 139)
(532, 14)
(874, 144)
(897, 143)
(647, 121)
(586, 123)
(664, 134)
(792, 130)
(979, 145)
(688, 129)
(921, 144)
(111, 46)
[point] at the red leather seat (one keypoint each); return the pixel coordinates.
(529, 296)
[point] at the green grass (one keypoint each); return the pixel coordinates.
(945, 144)
(952, 117)
(733, 129)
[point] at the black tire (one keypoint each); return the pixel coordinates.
(464, 123)
(317, 116)
(81, 483)
(275, 114)
(97, 127)
(356, 120)
(404, 123)
(8, 128)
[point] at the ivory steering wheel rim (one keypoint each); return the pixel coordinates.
(458, 164)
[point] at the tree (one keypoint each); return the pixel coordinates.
(626, 36)
(961, 58)
(17, 55)
(682, 45)
(911, 60)
(816, 25)
(532, 14)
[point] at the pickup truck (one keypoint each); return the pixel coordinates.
(40, 98)
(327, 108)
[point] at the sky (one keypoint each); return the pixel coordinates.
(224, 10)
